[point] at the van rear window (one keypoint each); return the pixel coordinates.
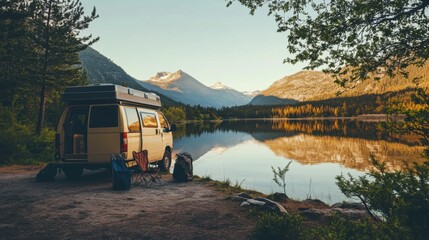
(104, 116)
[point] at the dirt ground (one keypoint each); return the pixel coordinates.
(88, 208)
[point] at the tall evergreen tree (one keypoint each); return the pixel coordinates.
(56, 25)
(17, 53)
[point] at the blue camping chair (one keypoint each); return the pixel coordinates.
(121, 175)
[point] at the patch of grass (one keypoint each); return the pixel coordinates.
(227, 186)
(225, 183)
(204, 178)
(28, 162)
(238, 184)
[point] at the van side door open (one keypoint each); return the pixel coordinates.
(75, 140)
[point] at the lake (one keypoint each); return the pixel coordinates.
(244, 152)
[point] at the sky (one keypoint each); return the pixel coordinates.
(204, 38)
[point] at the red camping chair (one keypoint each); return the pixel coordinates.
(145, 173)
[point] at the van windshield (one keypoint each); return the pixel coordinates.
(104, 116)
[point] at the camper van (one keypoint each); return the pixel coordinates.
(104, 119)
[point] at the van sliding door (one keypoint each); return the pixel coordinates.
(152, 141)
(134, 130)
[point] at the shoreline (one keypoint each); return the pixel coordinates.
(362, 118)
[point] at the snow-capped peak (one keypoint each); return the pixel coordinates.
(161, 76)
(219, 86)
(252, 93)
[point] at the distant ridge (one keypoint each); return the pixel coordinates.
(272, 100)
(316, 85)
(301, 86)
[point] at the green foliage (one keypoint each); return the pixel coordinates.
(400, 197)
(339, 228)
(225, 183)
(56, 25)
(237, 184)
(333, 107)
(280, 176)
(273, 226)
(175, 114)
(20, 145)
(206, 178)
(39, 48)
(201, 113)
(39, 45)
(352, 39)
(416, 116)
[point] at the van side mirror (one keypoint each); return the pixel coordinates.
(173, 127)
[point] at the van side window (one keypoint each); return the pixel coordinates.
(149, 120)
(162, 121)
(132, 120)
(103, 116)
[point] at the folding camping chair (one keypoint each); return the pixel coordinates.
(121, 175)
(145, 173)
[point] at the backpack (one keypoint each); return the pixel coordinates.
(121, 175)
(183, 170)
(47, 173)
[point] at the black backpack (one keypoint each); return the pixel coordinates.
(183, 171)
(47, 173)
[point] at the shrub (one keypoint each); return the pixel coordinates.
(339, 228)
(280, 176)
(20, 145)
(273, 226)
(400, 197)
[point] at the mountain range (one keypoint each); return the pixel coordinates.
(172, 87)
(179, 87)
(182, 87)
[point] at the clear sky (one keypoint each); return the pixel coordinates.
(204, 38)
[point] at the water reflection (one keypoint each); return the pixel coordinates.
(320, 150)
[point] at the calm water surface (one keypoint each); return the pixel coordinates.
(245, 151)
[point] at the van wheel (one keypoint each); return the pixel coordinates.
(164, 164)
(73, 172)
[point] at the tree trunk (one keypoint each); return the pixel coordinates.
(42, 108)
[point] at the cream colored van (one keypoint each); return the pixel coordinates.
(100, 120)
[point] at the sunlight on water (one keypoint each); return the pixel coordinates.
(253, 169)
(244, 152)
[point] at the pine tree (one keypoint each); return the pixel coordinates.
(17, 52)
(56, 25)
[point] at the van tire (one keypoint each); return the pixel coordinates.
(164, 164)
(73, 172)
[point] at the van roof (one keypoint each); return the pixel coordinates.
(109, 93)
